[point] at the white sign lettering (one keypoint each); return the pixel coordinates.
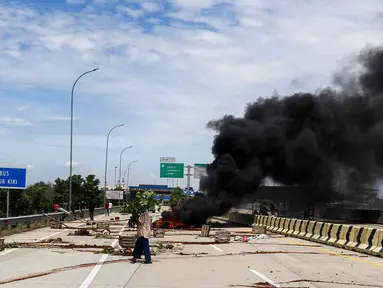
(168, 160)
(4, 173)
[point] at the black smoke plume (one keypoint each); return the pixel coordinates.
(331, 140)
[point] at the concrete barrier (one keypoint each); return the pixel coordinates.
(297, 228)
(304, 229)
(360, 239)
(326, 233)
(377, 250)
(14, 225)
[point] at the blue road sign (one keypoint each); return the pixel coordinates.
(189, 192)
(13, 178)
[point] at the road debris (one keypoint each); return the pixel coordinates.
(222, 236)
(104, 236)
(169, 246)
(53, 240)
(348, 283)
(251, 239)
(2, 241)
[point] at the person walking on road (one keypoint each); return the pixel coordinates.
(110, 207)
(144, 224)
(106, 205)
(91, 207)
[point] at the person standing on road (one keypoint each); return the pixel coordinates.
(82, 209)
(110, 207)
(106, 205)
(91, 207)
(144, 224)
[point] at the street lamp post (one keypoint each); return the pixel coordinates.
(115, 177)
(71, 137)
(128, 169)
(106, 158)
(119, 173)
(127, 180)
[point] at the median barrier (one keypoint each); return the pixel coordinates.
(318, 231)
(360, 239)
(378, 240)
(297, 228)
(303, 230)
(280, 226)
(355, 237)
(13, 225)
(291, 227)
(344, 236)
(366, 239)
(271, 222)
(286, 225)
(310, 230)
(334, 234)
(278, 223)
(326, 233)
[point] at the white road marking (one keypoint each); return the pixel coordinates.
(8, 251)
(49, 236)
(216, 248)
(88, 280)
(271, 282)
(38, 240)
(94, 272)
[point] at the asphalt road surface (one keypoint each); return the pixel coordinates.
(273, 262)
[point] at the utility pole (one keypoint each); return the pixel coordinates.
(115, 177)
(119, 173)
(188, 174)
(7, 215)
(106, 158)
(71, 138)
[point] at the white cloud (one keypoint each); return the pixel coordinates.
(131, 12)
(151, 7)
(14, 121)
(165, 84)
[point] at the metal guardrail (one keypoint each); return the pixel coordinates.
(29, 219)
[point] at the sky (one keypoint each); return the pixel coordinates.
(165, 69)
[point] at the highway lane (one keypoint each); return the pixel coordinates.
(279, 261)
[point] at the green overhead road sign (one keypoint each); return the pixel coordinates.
(172, 170)
(199, 170)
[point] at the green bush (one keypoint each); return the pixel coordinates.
(141, 203)
(177, 197)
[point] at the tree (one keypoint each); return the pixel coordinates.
(38, 198)
(83, 189)
(177, 197)
(142, 202)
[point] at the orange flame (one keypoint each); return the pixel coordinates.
(169, 223)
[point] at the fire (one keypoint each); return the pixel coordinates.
(171, 224)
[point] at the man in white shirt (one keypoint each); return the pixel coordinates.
(144, 224)
(110, 207)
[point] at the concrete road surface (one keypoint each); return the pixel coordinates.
(273, 262)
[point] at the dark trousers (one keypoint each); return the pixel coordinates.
(106, 211)
(91, 215)
(142, 244)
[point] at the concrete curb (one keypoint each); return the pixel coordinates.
(360, 239)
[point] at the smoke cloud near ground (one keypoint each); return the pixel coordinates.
(331, 140)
